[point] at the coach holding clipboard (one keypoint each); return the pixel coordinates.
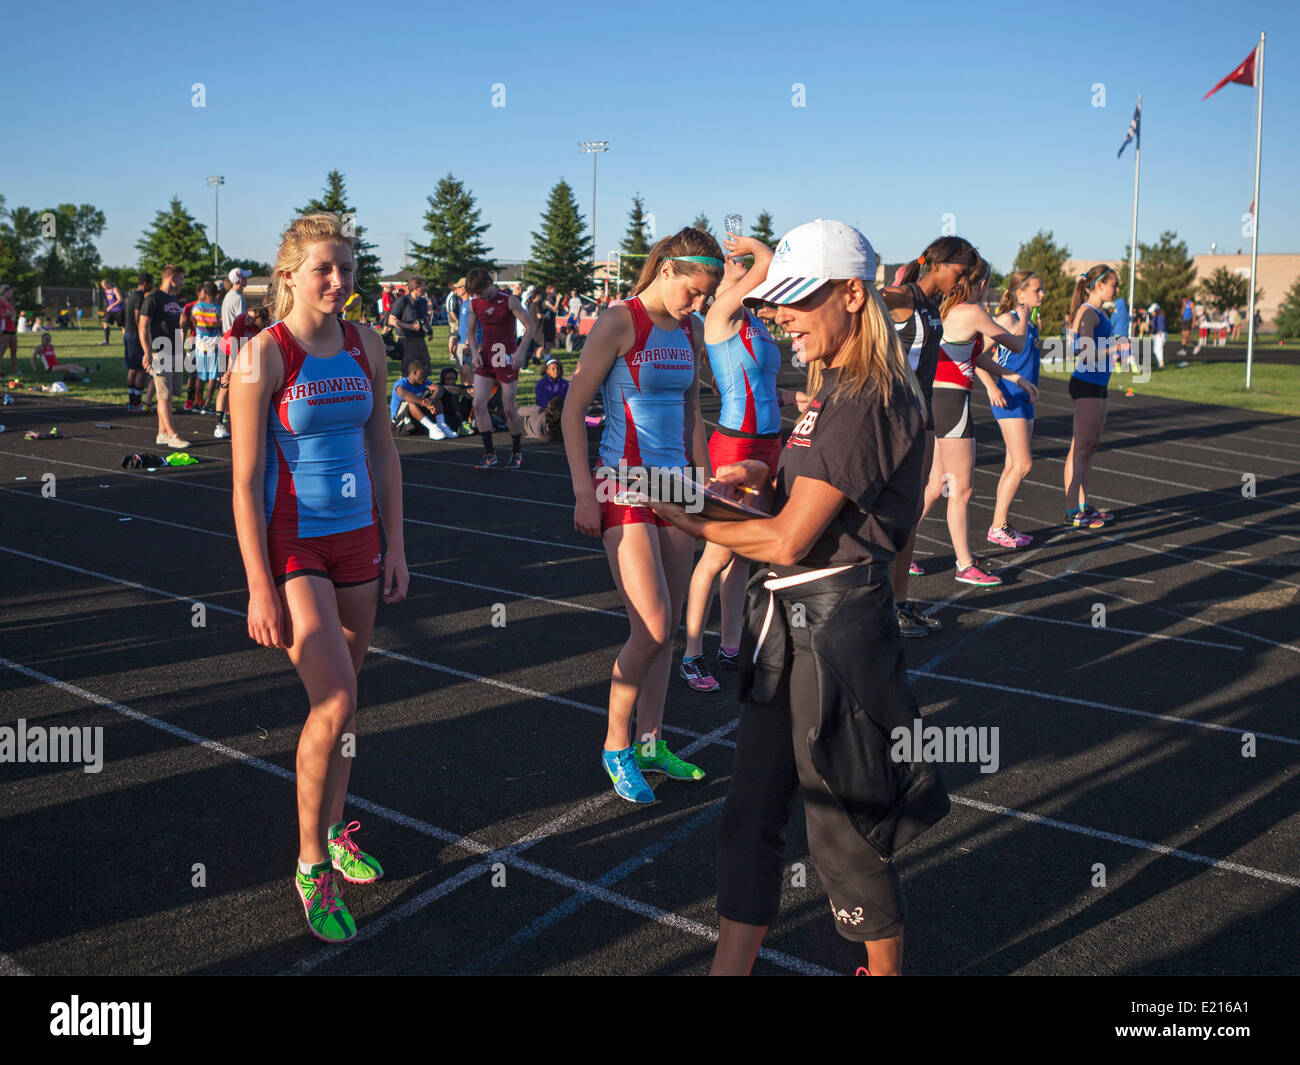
(823, 679)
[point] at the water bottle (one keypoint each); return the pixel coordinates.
(8, 399)
(733, 224)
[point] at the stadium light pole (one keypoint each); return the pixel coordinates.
(216, 183)
(593, 148)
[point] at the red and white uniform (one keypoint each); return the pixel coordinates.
(956, 366)
(46, 353)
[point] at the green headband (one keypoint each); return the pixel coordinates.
(707, 259)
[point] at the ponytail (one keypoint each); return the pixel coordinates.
(1015, 283)
(961, 292)
(940, 252)
(684, 242)
(1084, 286)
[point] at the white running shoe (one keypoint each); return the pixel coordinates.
(174, 442)
(436, 433)
(221, 432)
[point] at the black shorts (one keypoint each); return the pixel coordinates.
(548, 330)
(952, 420)
(772, 764)
(134, 353)
(1080, 389)
(113, 318)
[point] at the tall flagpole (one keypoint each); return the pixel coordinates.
(1254, 221)
(1133, 242)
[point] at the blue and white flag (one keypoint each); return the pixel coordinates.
(1134, 130)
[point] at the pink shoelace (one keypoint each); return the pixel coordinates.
(327, 891)
(344, 840)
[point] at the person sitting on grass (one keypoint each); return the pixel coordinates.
(415, 398)
(552, 384)
(456, 402)
(43, 358)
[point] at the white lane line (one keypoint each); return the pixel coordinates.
(1172, 613)
(538, 598)
(397, 656)
(536, 835)
(1095, 705)
(408, 457)
(489, 854)
(459, 529)
(1211, 550)
(1129, 841)
(440, 488)
(1013, 612)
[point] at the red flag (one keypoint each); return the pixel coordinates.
(1245, 74)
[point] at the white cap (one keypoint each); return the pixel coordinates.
(237, 273)
(809, 256)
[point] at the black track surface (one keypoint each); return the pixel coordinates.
(480, 745)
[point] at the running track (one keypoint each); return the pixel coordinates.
(1120, 746)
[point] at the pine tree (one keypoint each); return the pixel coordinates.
(1287, 319)
(455, 244)
(561, 254)
(334, 198)
(635, 246)
(1045, 257)
(702, 222)
(176, 238)
(1165, 274)
(762, 229)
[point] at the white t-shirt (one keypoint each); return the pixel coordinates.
(575, 307)
(231, 308)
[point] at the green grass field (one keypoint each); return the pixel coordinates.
(108, 384)
(1276, 388)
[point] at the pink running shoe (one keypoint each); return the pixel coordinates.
(697, 675)
(1006, 536)
(972, 574)
(915, 570)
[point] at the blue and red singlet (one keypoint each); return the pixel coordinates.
(317, 481)
(644, 395)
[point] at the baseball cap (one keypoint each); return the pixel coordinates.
(553, 359)
(811, 255)
(237, 273)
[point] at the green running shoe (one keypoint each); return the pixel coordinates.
(327, 916)
(665, 762)
(352, 863)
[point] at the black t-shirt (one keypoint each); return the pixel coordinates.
(410, 313)
(871, 450)
(134, 301)
(164, 314)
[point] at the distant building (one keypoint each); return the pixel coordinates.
(1276, 274)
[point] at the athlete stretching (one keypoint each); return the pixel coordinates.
(745, 361)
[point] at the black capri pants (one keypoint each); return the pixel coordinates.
(772, 764)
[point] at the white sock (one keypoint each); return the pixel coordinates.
(428, 425)
(305, 867)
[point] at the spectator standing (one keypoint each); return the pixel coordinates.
(133, 354)
(9, 327)
(112, 309)
(234, 304)
(1189, 313)
(160, 338)
(1158, 329)
(408, 315)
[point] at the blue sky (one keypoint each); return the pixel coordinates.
(981, 111)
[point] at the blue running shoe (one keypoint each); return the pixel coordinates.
(629, 784)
